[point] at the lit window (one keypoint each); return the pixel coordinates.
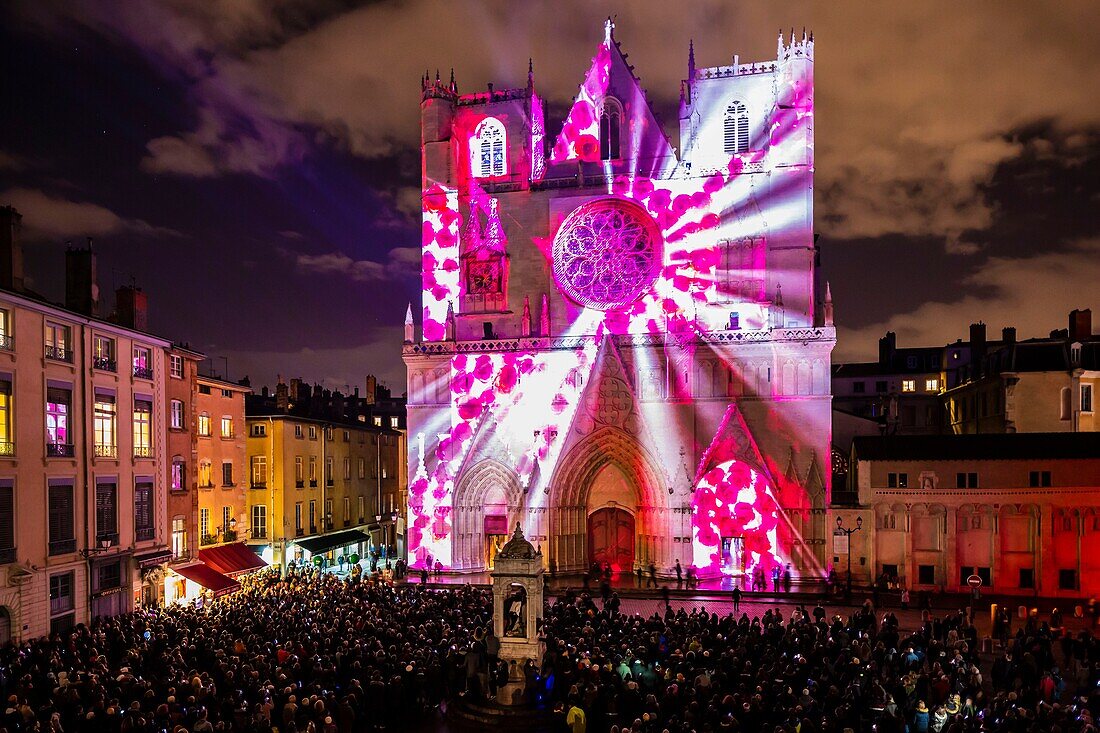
(313, 432)
(297, 431)
(58, 342)
(259, 430)
(227, 427)
(378, 420)
(103, 425)
(175, 366)
(931, 385)
(6, 446)
(204, 424)
(103, 353)
(488, 149)
(736, 129)
(143, 428)
(299, 471)
(347, 469)
(179, 470)
(177, 415)
(206, 474)
(611, 119)
(143, 362)
(5, 330)
(393, 421)
(179, 537)
(57, 416)
(908, 385)
(362, 509)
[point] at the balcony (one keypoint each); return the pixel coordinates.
(7, 448)
(106, 451)
(143, 451)
(299, 484)
(59, 450)
(7, 554)
(330, 482)
(62, 547)
(209, 539)
(207, 485)
(59, 353)
(258, 484)
(7, 343)
(313, 483)
(145, 533)
(299, 532)
(258, 534)
(347, 522)
(230, 535)
(142, 372)
(104, 364)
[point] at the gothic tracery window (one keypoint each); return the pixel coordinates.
(488, 149)
(611, 117)
(736, 129)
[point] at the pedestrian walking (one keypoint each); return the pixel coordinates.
(679, 575)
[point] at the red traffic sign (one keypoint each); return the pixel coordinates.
(974, 581)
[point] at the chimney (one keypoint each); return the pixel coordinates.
(11, 249)
(887, 345)
(977, 348)
(282, 395)
(1008, 335)
(372, 390)
(132, 308)
(1080, 324)
(81, 287)
(296, 389)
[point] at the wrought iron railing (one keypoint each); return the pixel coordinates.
(106, 451)
(59, 450)
(59, 353)
(104, 364)
(143, 372)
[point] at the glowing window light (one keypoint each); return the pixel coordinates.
(488, 149)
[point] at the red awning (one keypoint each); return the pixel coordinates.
(208, 578)
(232, 559)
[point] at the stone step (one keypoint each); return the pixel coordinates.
(488, 715)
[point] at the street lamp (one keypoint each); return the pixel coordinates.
(848, 533)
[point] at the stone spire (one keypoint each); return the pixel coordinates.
(525, 320)
(691, 60)
(828, 304)
(544, 317)
(608, 31)
(530, 74)
(449, 326)
(410, 327)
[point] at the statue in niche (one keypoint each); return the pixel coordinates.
(515, 613)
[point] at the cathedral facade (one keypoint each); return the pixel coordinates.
(623, 346)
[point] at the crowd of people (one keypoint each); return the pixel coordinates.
(808, 673)
(315, 653)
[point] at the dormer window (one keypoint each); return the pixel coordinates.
(736, 129)
(611, 119)
(488, 149)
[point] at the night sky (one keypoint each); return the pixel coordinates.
(253, 164)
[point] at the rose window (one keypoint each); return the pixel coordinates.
(607, 254)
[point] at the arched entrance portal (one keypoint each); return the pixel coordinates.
(611, 539)
(488, 501)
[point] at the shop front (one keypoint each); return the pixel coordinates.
(195, 583)
(335, 545)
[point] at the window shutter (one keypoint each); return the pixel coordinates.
(7, 517)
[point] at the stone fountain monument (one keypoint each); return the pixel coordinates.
(517, 604)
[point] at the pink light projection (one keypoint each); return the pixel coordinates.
(440, 252)
(664, 249)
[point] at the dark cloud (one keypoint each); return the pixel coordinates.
(947, 134)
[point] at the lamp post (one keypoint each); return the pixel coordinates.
(848, 533)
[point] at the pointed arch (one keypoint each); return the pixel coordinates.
(486, 480)
(736, 128)
(611, 122)
(489, 149)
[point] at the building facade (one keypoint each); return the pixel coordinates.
(1017, 510)
(182, 450)
(622, 347)
(82, 454)
(323, 486)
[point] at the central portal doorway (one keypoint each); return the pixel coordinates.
(611, 539)
(733, 555)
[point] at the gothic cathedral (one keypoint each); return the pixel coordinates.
(623, 345)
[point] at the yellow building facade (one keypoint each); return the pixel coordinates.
(324, 488)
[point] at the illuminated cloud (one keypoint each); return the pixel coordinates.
(55, 218)
(403, 262)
